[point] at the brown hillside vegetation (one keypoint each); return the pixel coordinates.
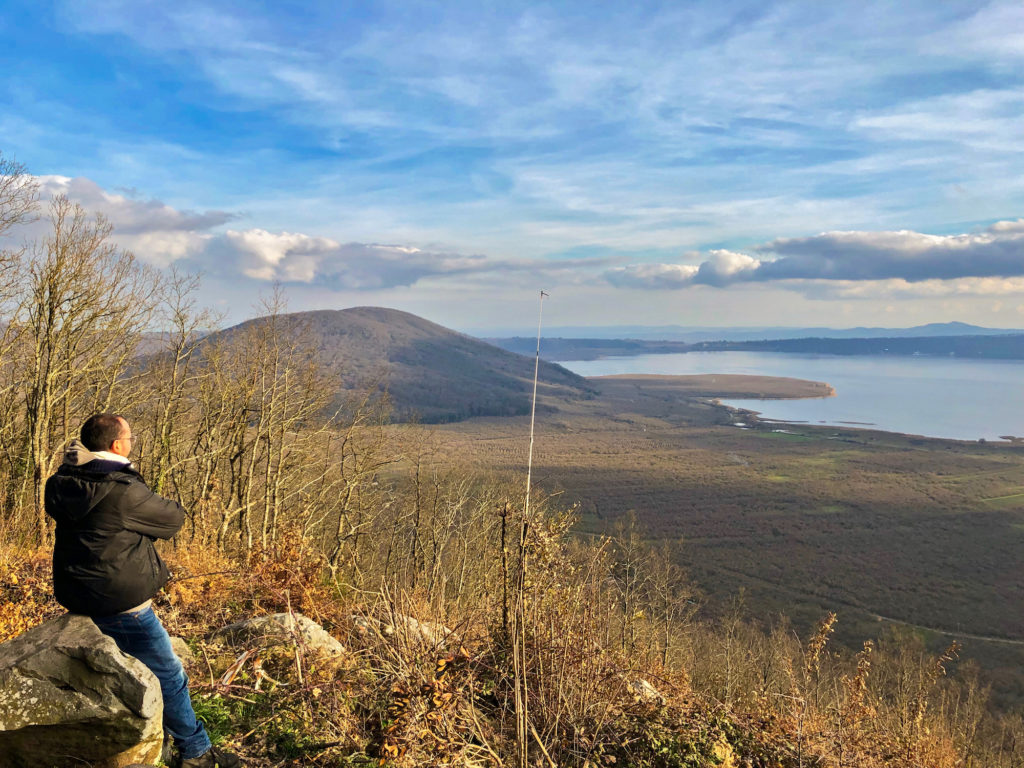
(431, 373)
(617, 670)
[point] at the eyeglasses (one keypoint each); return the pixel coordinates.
(130, 438)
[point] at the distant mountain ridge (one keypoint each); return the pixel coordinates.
(695, 334)
(430, 372)
(1007, 346)
(1001, 347)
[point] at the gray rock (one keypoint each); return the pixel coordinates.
(425, 633)
(182, 651)
(408, 630)
(283, 628)
(68, 696)
(644, 693)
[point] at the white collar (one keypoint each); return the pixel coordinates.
(111, 456)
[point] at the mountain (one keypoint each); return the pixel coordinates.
(430, 372)
(1008, 346)
(588, 349)
(695, 334)
(1002, 347)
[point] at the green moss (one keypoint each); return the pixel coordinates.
(215, 713)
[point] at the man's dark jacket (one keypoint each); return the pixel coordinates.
(107, 519)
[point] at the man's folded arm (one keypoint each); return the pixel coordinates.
(150, 514)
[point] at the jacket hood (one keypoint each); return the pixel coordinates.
(77, 455)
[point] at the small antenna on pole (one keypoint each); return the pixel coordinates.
(533, 408)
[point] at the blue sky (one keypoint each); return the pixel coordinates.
(718, 163)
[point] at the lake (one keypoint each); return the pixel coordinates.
(938, 397)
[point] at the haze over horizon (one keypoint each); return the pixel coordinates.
(738, 164)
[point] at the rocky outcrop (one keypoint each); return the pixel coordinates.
(68, 696)
(408, 630)
(283, 628)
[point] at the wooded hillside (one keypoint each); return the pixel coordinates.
(430, 372)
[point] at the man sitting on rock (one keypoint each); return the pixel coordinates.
(105, 566)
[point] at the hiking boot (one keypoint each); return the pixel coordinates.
(212, 758)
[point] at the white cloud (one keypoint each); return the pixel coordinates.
(129, 213)
(995, 32)
(162, 235)
(1008, 227)
(296, 258)
(652, 275)
(984, 119)
(156, 232)
(995, 252)
(163, 248)
(264, 255)
(902, 289)
(724, 267)
(720, 268)
(837, 264)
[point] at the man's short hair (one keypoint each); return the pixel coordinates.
(100, 431)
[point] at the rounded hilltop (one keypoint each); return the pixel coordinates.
(430, 372)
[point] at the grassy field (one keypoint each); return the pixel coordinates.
(889, 531)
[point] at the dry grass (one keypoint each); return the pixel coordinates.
(605, 686)
(26, 591)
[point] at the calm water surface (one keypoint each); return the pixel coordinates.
(937, 397)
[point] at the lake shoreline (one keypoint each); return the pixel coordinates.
(753, 419)
(954, 399)
(712, 389)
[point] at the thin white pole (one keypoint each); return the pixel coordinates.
(519, 636)
(533, 408)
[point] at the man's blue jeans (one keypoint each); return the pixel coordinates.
(141, 635)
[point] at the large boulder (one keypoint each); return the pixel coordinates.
(284, 628)
(68, 696)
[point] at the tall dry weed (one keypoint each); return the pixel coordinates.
(26, 591)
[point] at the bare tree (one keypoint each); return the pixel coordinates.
(363, 451)
(171, 373)
(281, 396)
(87, 303)
(18, 203)
(670, 598)
(242, 430)
(19, 194)
(629, 574)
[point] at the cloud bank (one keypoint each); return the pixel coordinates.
(162, 235)
(154, 230)
(850, 257)
(296, 258)
(129, 213)
(849, 265)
